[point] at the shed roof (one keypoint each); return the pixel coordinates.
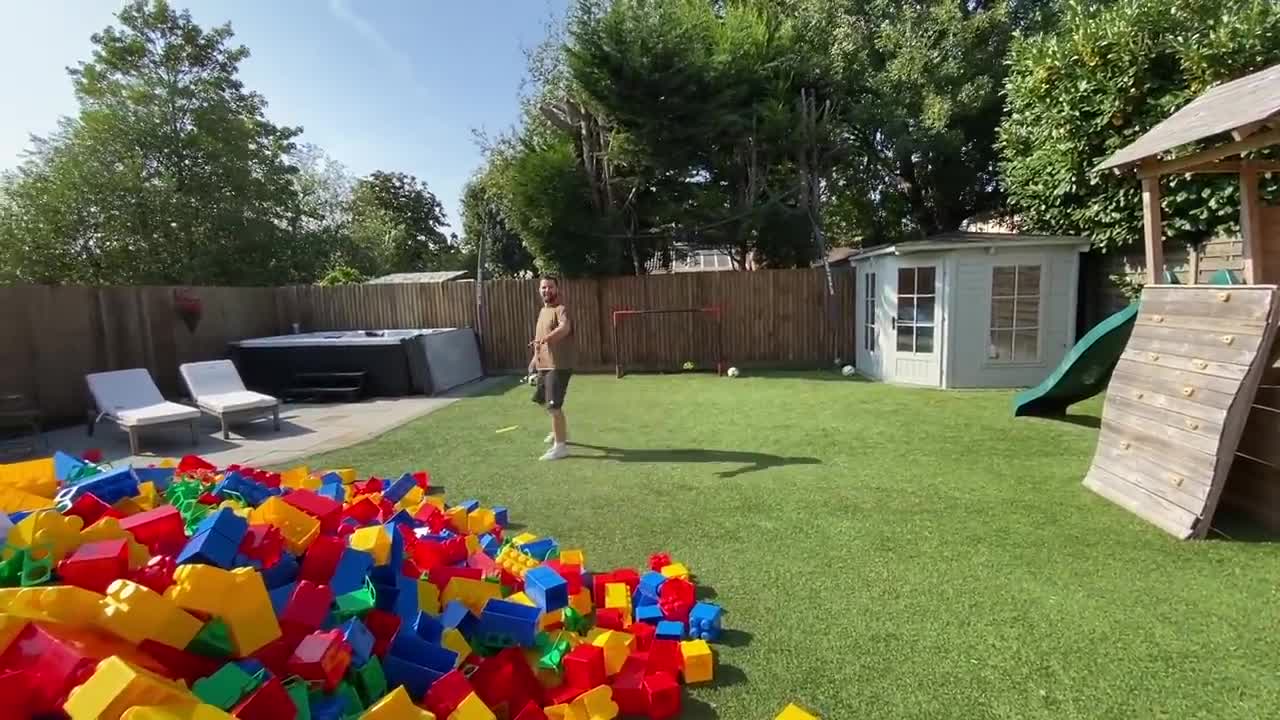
(959, 240)
(421, 277)
(1240, 103)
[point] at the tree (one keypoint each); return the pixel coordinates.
(484, 226)
(170, 172)
(1103, 79)
(322, 226)
(396, 226)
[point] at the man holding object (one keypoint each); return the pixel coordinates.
(553, 357)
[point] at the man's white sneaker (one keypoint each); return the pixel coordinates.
(550, 438)
(556, 452)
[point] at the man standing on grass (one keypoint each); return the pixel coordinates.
(553, 357)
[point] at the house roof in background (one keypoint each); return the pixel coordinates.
(1230, 106)
(422, 277)
(958, 240)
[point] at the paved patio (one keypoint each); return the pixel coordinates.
(305, 430)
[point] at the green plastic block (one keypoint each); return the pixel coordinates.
(354, 603)
(213, 640)
(369, 680)
(575, 621)
(11, 568)
(351, 704)
(37, 566)
(226, 687)
(553, 657)
(300, 693)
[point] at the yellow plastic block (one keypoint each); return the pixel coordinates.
(616, 595)
(699, 663)
(396, 705)
(128, 506)
(236, 507)
(348, 475)
(175, 712)
(428, 596)
(32, 476)
(116, 686)
(109, 529)
(299, 478)
(520, 598)
(10, 627)
(557, 712)
(457, 516)
(454, 640)
(617, 646)
(167, 463)
(136, 613)
(147, 495)
(13, 500)
(436, 500)
(248, 613)
(61, 604)
(549, 619)
(472, 708)
(514, 561)
(676, 570)
(49, 528)
(473, 544)
(480, 521)
(595, 704)
(374, 540)
(299, 529)
(201, 588)
(573, 557)
(472, 593)
(525, 537)
(582, 602)
(412, 498)
(793, 712)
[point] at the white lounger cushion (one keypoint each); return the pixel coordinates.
(216, 386)
(132, 398)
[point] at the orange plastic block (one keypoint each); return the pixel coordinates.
(582, 602)
(676, 570)
(49, 528)
(699, 663)
(396, 705)
(480, 521)
(457, 516)
(472, 708)
(128, 506)
(66, 604)
(550, 619)
(138, 613)
(299, 478)
(117, 686)
(595, 704)
(175, 712)
(374, 540)
(109, 529)
(10, 627)
(237, 596)
(428, 596)
(793, 712)
(573, 557)
(32, 476)
(472, 593)
(617, 647)
(299, 529)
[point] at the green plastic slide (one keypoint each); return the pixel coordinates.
(1085, 370)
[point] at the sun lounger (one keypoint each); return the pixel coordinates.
(217, 390)
(130, 399)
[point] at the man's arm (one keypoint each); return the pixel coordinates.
(563, 328)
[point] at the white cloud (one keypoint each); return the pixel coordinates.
(367, 30)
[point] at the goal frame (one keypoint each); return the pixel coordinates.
(713, 311)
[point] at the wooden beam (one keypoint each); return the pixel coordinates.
(1245, 131)
(1234, 166)
(1153, 230)
(1156, 168)
(1251, 227)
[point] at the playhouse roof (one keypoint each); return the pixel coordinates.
(960, 240)
(1248, 102)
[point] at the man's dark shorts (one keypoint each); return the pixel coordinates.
(551, 387)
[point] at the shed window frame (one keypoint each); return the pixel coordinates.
(999, 331)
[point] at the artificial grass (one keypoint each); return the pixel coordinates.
(881, 552)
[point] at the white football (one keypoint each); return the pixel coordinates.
(733, 372)
(532, 379)
(847, 371)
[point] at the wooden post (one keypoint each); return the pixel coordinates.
(1153, 229)
(1251, 226)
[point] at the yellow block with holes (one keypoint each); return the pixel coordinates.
(116, 686)
(374, 540)
(299, 529)
(617, 647)
(676, 570)
(396, 705)
(65, 604)
(136, 613)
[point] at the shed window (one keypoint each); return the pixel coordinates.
(1015, 313)
(869, 312)
(917, 298)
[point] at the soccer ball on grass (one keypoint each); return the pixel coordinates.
(733, 372)
(847, 371)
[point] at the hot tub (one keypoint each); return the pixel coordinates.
(394, 362)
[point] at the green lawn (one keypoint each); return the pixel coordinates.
(881, 552)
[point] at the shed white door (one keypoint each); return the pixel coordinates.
(869, 321)
(915, 324)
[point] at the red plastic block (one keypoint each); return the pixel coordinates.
(657, 561)
(366, 487)
(263, 543)
(162, 530)
(455, 549)
(321, 560)
(327, 510)
(492, 678)
(18, 694)
(308, 606)
(665, 656)
(564, 694)
(321, 657)
(609, 619)
(363, 512)
(92, 455)
(89, 508)
(584, 667)
(384, 626)
(180, 663)
(426, 512)
(525, 686)
(423, 479)
(626, 576)
(94, 566)
(572, 575)
(628, 687)
(676, 598)
(662, 692)
(446, 694)
(275, 654)
(644, 634)
(531, 711)
(157, 574)
(440, 576)
(269, 702)
(194, 464)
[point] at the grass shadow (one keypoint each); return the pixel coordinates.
(695, 709)
(735, 638)
(749, 461)
(1236, 527)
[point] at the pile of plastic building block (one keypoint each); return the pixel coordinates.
(188, 592)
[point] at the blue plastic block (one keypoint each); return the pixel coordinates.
(17, 517)
(469, 505)
(360, 640)
(670, 630)
(705, 621)
(225, 523)
(325, 707)
(546, 588)
(209, 548)
(395, 559)
(500, 515)
(235, 484)
(385, 597)
(651, 584)
(651, 614)
(490, 545)
(408, 646)
(639, 599)
(353, 568)
(160, 477)
(110, 487)
(333, 491)
(280, 596)
(331, 478)
(253, 667)
(384, 574)
(64, 465)
(415, 678)
(542, 549)
(406, 598)
(246, 561)
(283, 572)
(402, 518)
(398, 489)
(456, 616)
(428, 627)
(503, 619)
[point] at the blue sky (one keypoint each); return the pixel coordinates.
(379, 84)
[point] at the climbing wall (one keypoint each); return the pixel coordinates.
(1178, 401)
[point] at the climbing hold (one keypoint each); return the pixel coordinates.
(1124, 444)
(1176, 480)
(1224, 297)
(1157, 318)
(1228, 339)
(1192, 425)
(1188, 391)
(1139, 395)
(1200, 364)
(1153, 357)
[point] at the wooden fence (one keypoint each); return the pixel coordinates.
(50, 337)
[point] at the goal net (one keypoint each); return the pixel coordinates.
(667, 340)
